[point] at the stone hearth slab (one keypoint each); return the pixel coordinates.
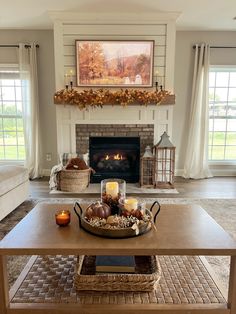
(95, 188)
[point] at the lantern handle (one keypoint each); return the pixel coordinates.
(158, 210)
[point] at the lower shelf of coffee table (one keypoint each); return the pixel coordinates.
(185, 280)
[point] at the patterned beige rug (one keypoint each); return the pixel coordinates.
(222, 210)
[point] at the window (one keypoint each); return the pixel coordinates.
(12, 145)
(222, 114)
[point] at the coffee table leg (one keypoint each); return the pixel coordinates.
(232, 285)
(4, 289)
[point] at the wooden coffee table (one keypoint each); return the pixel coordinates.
(182, 230)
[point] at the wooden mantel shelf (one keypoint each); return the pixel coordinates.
(103, 97)
(168, 100)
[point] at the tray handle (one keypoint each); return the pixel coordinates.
(158, 210)
(79, 214)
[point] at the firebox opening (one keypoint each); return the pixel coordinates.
(116, 157)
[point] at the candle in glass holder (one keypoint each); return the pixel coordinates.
(112, 189)
(62, 217)
(130, 204)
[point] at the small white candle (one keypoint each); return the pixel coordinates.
(130, 204)
(112, 188)
(66, 79)
(71, 75)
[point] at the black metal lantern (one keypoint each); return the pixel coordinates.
(164, 154)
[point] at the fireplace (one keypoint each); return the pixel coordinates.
(114, 157)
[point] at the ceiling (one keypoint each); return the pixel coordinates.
(194, 15)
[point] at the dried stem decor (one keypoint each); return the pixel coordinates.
(100, 97)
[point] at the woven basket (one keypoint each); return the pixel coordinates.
(73, 180)
(146, 277)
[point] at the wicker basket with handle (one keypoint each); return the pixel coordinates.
(73, 180)
(146, 277)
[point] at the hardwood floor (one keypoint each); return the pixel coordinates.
(217, 187)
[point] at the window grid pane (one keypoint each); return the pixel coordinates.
(222, 115)
(11, 120)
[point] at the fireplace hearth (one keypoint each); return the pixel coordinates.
(115, 157)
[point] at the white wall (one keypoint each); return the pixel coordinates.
(183, 80)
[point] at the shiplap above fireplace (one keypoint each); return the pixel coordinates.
(71, 26)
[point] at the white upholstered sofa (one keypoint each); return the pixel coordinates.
(14, 188)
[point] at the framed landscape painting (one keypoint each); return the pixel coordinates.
(111, 63)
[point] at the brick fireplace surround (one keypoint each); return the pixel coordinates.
(84, 131)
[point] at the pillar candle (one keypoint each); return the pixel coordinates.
(130, 204)
(112, 188)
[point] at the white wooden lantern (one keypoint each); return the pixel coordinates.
(164, 154)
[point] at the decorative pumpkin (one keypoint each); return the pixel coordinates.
(98, 209)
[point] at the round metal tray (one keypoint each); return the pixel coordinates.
(116, 233)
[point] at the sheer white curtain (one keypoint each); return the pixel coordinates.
(28, 75)
(196, 161)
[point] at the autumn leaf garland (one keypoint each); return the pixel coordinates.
(97, 98)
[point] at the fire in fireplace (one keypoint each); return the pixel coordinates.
(115, 157)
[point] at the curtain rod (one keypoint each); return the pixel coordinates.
(16, 46)
(194, 47)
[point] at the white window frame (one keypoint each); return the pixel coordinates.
(11, 161)
(221, 162)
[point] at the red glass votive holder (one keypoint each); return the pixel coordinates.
(62, 217)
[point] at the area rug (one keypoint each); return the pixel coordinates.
(222, 210)
(95, 188)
